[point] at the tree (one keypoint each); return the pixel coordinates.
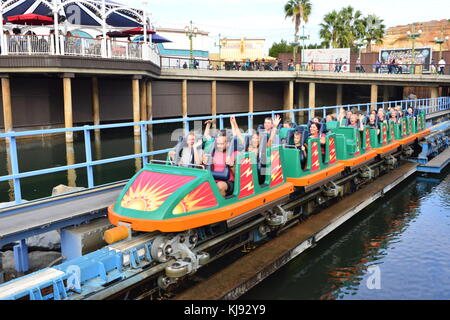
(374, 30)
(329, 30)
(281, 47)
(342, 29)
(351, 27)
(298, 10)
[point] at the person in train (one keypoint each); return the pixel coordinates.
(191, 153)
(381, 116)
(255, 137)
(221, 160)
(302, 147)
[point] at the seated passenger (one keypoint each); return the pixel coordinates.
(191, 153)
(348, 115)
(344, 115)
(302, 147)
(381, 116)
(254, 145)
(354, 119)
(372, 123)
(268, 125)
(317, 120)
(220, 160)
(288, 124)
(255, 139)
(394, 117)
(410, 112)
(315, 133)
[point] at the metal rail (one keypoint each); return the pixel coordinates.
(428, 105)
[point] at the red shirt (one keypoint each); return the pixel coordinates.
(219, 162)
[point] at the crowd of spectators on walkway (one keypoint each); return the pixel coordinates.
(30, 42)
(394, 66)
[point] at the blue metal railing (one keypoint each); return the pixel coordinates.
(429, 105)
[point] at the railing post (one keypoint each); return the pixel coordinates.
(5, 45)
(61, 42)
(186, 126)
(30, 52)
(250, 123)
(52, 45)
(21, 256)
(221, 122)
(108, 49)
(88, 151)
(15, 169)
(83, 47)
(144, 143)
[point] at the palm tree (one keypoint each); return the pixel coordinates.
(341, 29)
(350, 26)
(374, 30)
(298, 10)
(329, 30)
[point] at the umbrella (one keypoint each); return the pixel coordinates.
(137, 31)
(156, 38)
(31, 19)
(117, 34)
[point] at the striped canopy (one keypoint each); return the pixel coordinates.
(83, 12)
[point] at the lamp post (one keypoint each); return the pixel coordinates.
(303, 38)
(440, 41)
(144, 4)
(191, 32)
(413, 35)
(220, 51)
(359, 45)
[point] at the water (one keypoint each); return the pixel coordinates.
(398, 248)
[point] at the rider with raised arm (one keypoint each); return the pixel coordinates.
(191, 153)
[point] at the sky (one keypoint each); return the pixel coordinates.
(266, 19)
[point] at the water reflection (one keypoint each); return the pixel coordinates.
(9, 172)
(346, 280)
(402, 234)
(137, 150)
(97, 145)
(70, 156)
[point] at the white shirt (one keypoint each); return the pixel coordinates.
(442, 63)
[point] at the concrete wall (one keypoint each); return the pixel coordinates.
(115, 100)
(166, 98)
(232, 97)
(38, 101)
(268, 95)
(199, 97)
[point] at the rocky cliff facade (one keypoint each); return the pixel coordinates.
(397, 37)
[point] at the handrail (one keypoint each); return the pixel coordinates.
(427, 105)
(31, 44)
(173, 62)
